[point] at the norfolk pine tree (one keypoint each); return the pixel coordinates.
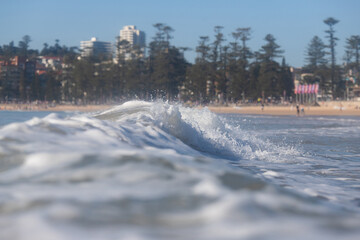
(335, 82)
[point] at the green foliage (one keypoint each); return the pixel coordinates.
(10, 51)
(223, 71)
(197, 74)
(196, 82)
(24, 45)
(241, 51)
(239, 79)
(52, 87)
(335, 80)
(254, 85)
(353, 50)
(269, 78)
(270, 50)
(315, 54)
(168, 73)
(167, 66)
(286, 81)
(58, 51)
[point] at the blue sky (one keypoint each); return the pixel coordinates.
(292, 23)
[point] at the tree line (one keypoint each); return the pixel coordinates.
(321, 62)
(223, 71)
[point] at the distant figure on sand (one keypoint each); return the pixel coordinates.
(302, 111)
(262, 107)
(297, 110)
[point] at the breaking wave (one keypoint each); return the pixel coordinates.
(152, 170)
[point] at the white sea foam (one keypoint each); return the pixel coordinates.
(154, 170)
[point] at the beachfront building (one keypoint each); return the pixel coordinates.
(48, 63)
(130, 43)
(16, 77)
(96, 48)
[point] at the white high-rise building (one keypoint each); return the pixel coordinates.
(135, 38)
(96, 48)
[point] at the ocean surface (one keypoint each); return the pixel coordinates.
(154, 170)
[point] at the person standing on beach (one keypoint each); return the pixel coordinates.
(297, 110)
(302, 111)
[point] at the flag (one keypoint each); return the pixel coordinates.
(316, 88)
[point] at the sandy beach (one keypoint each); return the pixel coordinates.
(325, 108)
(53, 108)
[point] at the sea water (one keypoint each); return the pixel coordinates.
(154, 170)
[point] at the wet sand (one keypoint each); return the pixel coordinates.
(325, 109)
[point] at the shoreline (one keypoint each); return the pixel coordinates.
(325, 109)
(333, 108)
(286, 110)
(53, 108)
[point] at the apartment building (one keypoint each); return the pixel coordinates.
(96, 48)
(131, 43)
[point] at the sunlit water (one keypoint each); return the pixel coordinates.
(160, 171)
